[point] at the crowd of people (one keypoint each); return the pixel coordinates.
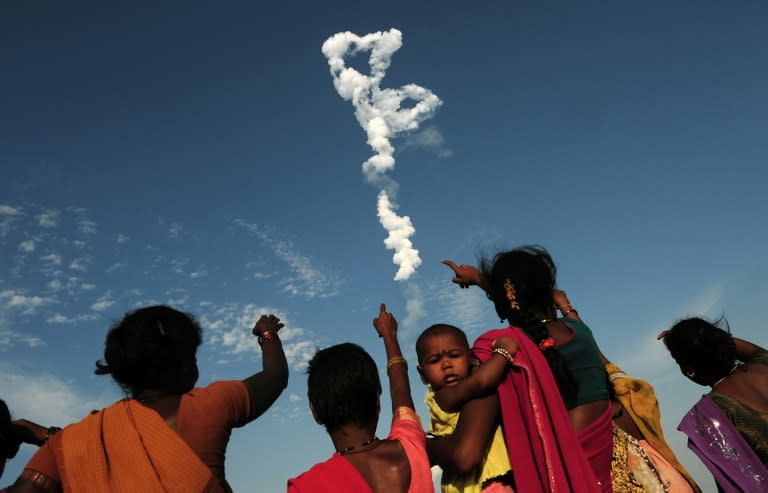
(532, 407)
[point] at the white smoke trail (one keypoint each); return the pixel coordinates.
(380, 114)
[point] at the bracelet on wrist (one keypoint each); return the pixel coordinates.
(267, 335)
(395, 361)
(505, 354)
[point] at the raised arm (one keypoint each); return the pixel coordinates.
(467, 275)
(397, 367)
(266, 386)
(745, 350)
(483, 380)
(564, 305)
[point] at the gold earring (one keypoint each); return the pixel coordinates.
(690, 374)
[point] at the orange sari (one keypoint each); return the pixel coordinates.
(128, 448)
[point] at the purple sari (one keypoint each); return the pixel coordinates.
(721, 448)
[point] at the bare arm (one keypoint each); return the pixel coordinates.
(745, 350)
(397, 368)
(482, 381)
(266, 386)
(463, 451)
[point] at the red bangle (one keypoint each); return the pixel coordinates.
(267, 335)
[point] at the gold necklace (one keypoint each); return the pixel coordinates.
(726, 375)
(360, 448)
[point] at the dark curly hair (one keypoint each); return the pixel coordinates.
(343, 386)
(533, 273)
(152, 348)
(703, 347)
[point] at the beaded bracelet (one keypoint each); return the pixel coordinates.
(506, 354)
(267, 335)
(396, 360)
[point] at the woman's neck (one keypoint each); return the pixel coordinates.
(350, 439)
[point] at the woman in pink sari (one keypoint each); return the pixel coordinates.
(563, 366)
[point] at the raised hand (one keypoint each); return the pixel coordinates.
(465, 275)
(267, 323)
(385, 324)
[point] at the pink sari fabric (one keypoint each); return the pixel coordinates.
(597, 442)
(545, 453)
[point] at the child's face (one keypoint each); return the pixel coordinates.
(445, 362)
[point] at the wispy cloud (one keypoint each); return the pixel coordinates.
(121, 238)
(48, 219)
(306, 280)
(414, 306)
(27, 305)
(27, 246)
(80, 264)
(8, 217)
(46, 398)
(52, 259)
(63, 319)
(231, 326)
(104, 302)
(175, 230)
(429, 138)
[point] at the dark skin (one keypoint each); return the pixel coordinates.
(382, 464)
(582, 415)
(263, 387)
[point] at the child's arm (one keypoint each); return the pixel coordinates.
(745, 350)
(397, 368)
(462, 451)
(482, 381)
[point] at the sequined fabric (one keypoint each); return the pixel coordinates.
(631, 469)
(720, 446)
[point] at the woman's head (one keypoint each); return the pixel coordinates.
(153, 348)
(532, 273)
(521, 284)
(344, 387)
(704, 351)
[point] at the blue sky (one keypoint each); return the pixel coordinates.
(198, 155)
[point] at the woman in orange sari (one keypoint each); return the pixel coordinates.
(168, 435)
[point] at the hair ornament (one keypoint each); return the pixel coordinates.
(509, 289)
(546, 344)
(160, 326)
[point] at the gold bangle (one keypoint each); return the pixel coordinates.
(396, 360)
(267, 335)
(504, 353)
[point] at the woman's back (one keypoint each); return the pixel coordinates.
(386, 468)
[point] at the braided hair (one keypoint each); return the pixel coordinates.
(532, 272)
(706, 348)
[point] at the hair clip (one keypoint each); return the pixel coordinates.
(509, 289)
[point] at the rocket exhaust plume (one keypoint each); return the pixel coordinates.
(380, 114)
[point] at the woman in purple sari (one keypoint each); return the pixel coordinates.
(728, 427)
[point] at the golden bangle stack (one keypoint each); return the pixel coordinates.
(396, 360)
(506, 354)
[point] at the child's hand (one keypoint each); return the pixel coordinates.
(465, 275)
(385, 324)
